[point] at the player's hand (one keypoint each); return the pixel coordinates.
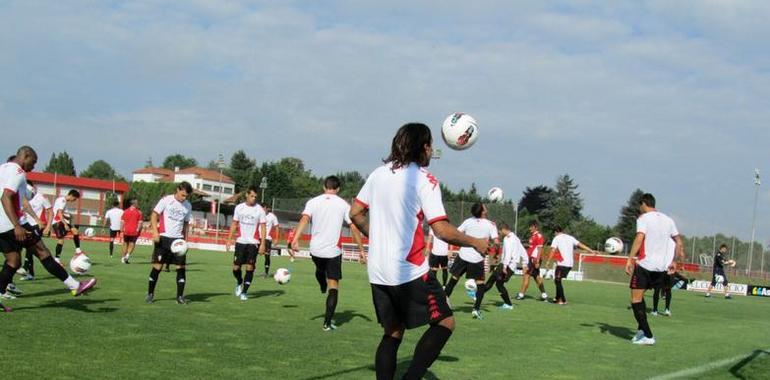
(261, 249)
(629, 267)
(362, 257)
(155, 236)
(294, 245)
(46, 230)
(20, 233)
(671, 268)
(227, 246)
(481, 246)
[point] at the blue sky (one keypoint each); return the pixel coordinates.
(670, 97)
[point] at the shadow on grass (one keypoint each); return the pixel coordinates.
(290, 306)
(343, 317)
(203, 297)
(78, 304)
(468, 309)
(51, 292)
(402, 366)
(266, 293)
(618, 331)
(738, 369)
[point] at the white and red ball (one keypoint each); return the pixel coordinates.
(495, 194)
(613, 245)
(179, 247)
(460, 131)
(282, 276)
(80, 264)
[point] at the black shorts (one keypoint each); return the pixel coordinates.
(8, 242)
(412, 304)
(561, 272)
(268, 246)
(501, 276)
(245, 254)
(60, 230)
(435, 261)
(714, 278)
(114, 234)
(129, 239)
(532, 270)
(162, 253)
(332, 267)
(471, 270)
(645, 279)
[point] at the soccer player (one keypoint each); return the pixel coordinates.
(16, 233)
(271, 222)
(398, 197)
(168, 222)
(327, 213)
(654, 230)
(114, 218)
(513, 252)
(438, 258)
(536, 242)
(249, 221)
(61, 222)
(39, 218)
(289, 239)
(131, 227)
(470, 262)
(562, 247)
(718, 269)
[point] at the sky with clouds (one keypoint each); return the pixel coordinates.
(668, 96)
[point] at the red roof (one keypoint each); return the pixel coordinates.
(77, 182)
(206, 174)
(158, 171)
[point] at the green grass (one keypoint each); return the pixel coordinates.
(112, 333)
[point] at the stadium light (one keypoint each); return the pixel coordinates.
(263, 186)
(757, 183)
(221, 166)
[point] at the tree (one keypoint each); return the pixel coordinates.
(591, 233)
(564, 205)
(240, 170)
(180, 161)
(61, 164)
(626, 226)
(101, 169)
(535, 199)
(351, 184)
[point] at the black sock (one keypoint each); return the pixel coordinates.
(58, 250)
(450, 286)
(154, 273)
(491, 282)
(641, 317)
(503, 292)
(541, 287)
(247, 280)
(29, 264)
(559, 290)
(668, 298)
(54, 268)
(76, 239)
(112, 246)
(181, 278)
(267, 262)
(385, 360)
(331, 305)
(444, 275)
(480, 290)
(320, 276)
(427, 351)
(238, 276)
(655, 299)
(6, 276)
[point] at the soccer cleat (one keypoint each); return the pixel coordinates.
(644, 341)
(654, 313)
(181, 300)
(476, 314)
(667, 312)
(58, 260)
(4, 309)
(544, 297)
(329, 327)
(291, 259)
(471, 294)
(519, 296)
(8, 296)
(244, 297)
(506, 306)
(238, 291)
(639, 335)
(28, 277)
(708, 295)
(84, 287)
(150, 298)
(728, 297)
(14, 290)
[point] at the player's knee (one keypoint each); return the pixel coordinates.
(395, 332)
(448, 323)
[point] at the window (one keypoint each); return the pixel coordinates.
(228, 190)
(206, 187)
(198, 186)
(216, 188)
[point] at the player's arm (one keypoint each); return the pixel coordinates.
(428, 245)
(106, 221)
(638, 240)
(679, 249)
(358, 216)
(48, 220)
(449, 233)
(586, 248)
(299, 231)
(357, 238)
(185, 227)
(7, 200)
(262, 239)
(154, 226)
(229, 240)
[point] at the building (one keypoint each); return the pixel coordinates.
(210, 183)
(94, 194)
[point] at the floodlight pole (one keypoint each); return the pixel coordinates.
(263, 187)
(757, 182)
(515, 217)
(221, 165)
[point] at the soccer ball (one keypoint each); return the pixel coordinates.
(470, 285)
(179, 247)
(282, 276)
(719, 278)
(460, 131)
(89, 232)
(495, 194)
(80, 263)
(613, 245)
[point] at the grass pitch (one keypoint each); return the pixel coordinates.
(113, 333)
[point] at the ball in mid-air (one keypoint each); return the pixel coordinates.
(80, 263)
(495, 194)
(460, 131)
(613, 245)
(282, 276)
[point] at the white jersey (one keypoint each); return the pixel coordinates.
(58, 205)
(39, 203)
(399, 200)
(327, 212)
(249, 219)
(658, 229)
(513, 251)
(13, 178)
(271, 221)
(480, 228)
(115, 215)
(440, 247)
(173, 215)
(566, 245)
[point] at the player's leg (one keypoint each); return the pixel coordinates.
(726, 286)
(10, 266)
(112, 241)
(60, 232)
(655, 300)
(641, 280)
(181, 280)
(667, 294)
(58, 271)
(239, 258)
(712, 284)
(500, 284)
(541, 287)
(268, 248)
(320, 272)
(160, 254)
(563, 274)
(333, 277)
(124, 249)
(76, 239)
(458, 269)
(476, 271)
(29, 264)
(385, 300)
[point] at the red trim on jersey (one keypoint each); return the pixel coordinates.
(438, 219)
(16, 205)
(161, 224)
(641, 254)
(557, 255)
(362, 203)
(415, 255)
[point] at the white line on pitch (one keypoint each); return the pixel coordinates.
(706, 367)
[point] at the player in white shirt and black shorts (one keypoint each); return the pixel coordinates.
(114, 219)
(62, 225)
(327, 212)
(168, 222)
(438, 258)
(271, 222)
(16, 233)
(563, 248)
(470, 262)
(513, 253)
(654, 231)
(399, 197)
(40, 219)
(249, 222)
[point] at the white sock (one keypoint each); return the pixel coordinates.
(71, 283)
(78, 251)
